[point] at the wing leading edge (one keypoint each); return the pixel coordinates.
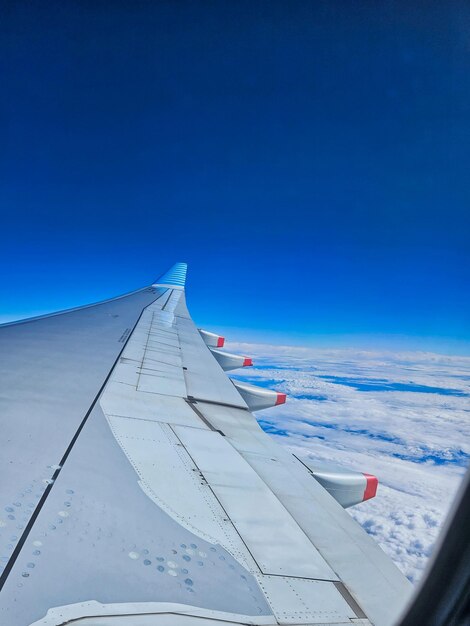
(140, 487)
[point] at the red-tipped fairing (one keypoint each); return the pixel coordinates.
(212, 340)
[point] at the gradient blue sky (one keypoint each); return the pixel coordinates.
(309, 160)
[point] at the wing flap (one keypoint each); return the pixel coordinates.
(267, 529)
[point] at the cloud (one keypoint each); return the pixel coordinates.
(401, 416)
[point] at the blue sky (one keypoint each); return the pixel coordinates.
(308, 160)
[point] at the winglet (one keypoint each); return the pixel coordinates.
(174, 278)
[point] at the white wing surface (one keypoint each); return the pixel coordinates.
(137, 488)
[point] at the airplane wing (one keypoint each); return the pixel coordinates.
(137, 488)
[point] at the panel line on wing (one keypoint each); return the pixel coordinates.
(216, 403)
(344, 591)
(201, 416)
(168, 299)
(24, 535)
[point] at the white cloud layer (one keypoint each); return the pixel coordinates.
(401, 416)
